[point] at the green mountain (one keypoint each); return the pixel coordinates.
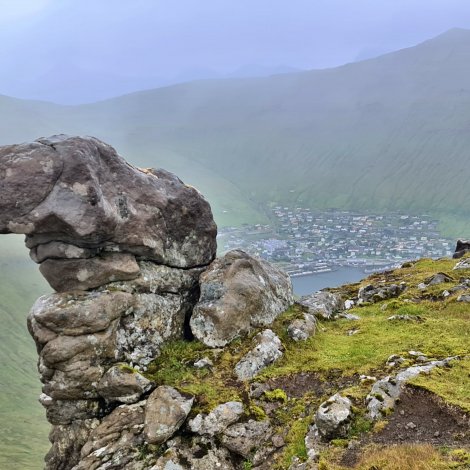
(383, 134)
(24, 430)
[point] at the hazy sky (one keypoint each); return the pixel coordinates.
(101, 47)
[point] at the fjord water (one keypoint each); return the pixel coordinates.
(310, 283)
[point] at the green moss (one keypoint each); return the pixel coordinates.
(174, 367)
(276, 395)
(257, 412)
(451, 384)
(295, 442)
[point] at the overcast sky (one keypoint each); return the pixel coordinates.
(49, 48)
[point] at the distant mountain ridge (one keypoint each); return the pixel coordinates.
(388, 133)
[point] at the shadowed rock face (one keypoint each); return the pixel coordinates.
(75, 198)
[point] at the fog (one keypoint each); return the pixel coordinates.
(72, 51)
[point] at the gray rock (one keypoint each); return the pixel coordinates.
(68, 411)
(67, 442)
(165, 412)
(301, 330)
(462, 247)
(80, 313)
(349, 316)
(123, 384)
(116, 439)
(348, 304)
(83, 274)
(268, 349)
(385, 392)
(238, 292)
(382, 397)
(322, 304)
(245, 438)
(217, 420)
(80, 192)
(438, 278)
(202, 363)
(153, 320)
(371, 293)
(333, 417)
(463, 264)
(415, 318)
(463, 298)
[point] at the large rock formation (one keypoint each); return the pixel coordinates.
(87, 213)
(238, 293)
(124, 250)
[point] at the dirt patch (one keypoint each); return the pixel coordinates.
(298, 385)
(419, 417)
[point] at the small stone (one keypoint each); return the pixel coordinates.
(437, 434)
(124, 384)
(411, 425)
(349, 316)
(165, 412)
(267, 350)
(203, 363)
(278, 441)
(333, 417)
(217, 420)
(422, 286)
(348, 304)
(402, 412)
(301, 330)
(354, 331)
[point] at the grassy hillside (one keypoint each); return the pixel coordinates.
(331, 362)
(383, 134)
(24, 430)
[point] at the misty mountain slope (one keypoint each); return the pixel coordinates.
(24, 430)
(387, 133)
(383, 134)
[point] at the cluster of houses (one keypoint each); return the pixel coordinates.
(306, 241)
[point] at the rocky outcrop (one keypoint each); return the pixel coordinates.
(80, 205)
(462, 247)
(333, 417)
(373, 294)
(130, 254)
(267, 350)
(322, 304)
(238, 292)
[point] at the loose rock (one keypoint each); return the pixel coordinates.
(165, 412)
(267, 350)
(238, 292)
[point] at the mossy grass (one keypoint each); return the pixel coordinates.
(443, 332)
(452, 384)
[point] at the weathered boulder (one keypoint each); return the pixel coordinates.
(268, 349)
(83, 274)
(79, 313)
(165, 412)
(463, 264)
(238, 292)
(67, 442)
(78, 191)
(115, 440)
(462, 247)
(123, 384)
(438, 278)
(301, 330)
(371, 293)
(322, 304)
(217, 420)
(333, 417)
(245, 438)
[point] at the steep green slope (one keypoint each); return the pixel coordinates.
(24, 430)
(384, 134)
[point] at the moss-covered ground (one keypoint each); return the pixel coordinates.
(332, 361)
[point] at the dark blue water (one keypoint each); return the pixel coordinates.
(304, 285)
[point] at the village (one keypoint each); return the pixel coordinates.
(305, 241)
